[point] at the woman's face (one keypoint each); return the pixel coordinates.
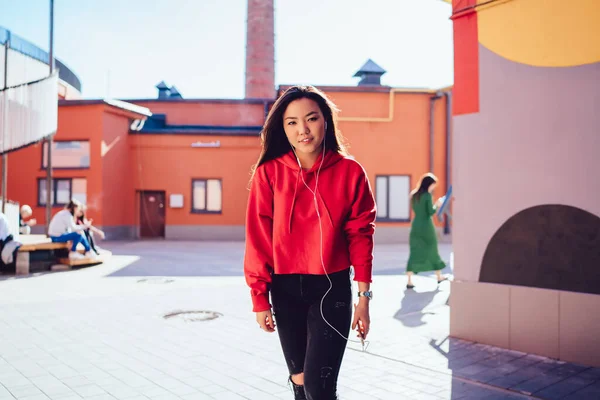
(78, 212)
(433, 185)
(304, 126)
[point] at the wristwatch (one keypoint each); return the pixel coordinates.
(368, 294)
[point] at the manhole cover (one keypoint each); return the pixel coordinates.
(193, 316)
(155, 280)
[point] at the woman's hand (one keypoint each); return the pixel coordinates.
(361, 321)
(265, 320)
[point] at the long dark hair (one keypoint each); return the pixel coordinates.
(72, 205)
(272, 137)
(83, 209)
(423, 187)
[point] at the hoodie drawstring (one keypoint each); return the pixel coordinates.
(325, 207)
(294, 200)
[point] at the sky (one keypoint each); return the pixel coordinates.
(123, 48)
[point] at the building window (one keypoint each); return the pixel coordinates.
(393, 197)
(68, 154)
(206, 196)
(63, 190)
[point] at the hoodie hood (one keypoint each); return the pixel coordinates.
(290, 161)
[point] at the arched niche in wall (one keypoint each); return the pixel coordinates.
(548, 246)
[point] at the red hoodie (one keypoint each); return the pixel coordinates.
(282, 226)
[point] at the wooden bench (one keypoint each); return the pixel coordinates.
(44, 246)
(36, 243)
(33, 243)
(104, 255)
(81, 262)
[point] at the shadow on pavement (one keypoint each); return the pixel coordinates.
(203, 258)
(413, 305)
(477, 368)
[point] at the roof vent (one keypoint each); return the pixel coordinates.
(163, 90)
(175, 93)
(166, 92)
(370, 74)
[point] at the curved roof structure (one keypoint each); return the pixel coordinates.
(26, 48)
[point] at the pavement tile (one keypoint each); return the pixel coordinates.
(591, 392)
(564, 388)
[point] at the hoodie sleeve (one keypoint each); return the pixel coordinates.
(360, 228)
(258, 258)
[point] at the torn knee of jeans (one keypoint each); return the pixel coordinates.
(297, 375)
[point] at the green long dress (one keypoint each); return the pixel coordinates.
(424, 255)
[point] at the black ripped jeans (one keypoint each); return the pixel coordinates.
(309, 344)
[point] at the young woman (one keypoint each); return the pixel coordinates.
(310, 217)
(89, 232)
(424, 255)
(62, 229)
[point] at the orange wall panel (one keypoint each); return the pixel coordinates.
(117, 197)
(169, 163)
(80, 123)
(399, 147)
(24, 166)
(207, 113)
(361, 104)
(23, 169)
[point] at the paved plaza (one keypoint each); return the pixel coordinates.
(117, 332)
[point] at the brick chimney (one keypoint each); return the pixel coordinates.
(260, 50)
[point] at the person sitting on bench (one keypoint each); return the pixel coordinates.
(81, 219)
(8, 247)
(63, 229)
(25, 226)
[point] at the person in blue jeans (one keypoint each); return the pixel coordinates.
(63, 229)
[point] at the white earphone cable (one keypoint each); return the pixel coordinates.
(314, 193)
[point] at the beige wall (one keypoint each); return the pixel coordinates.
(534, 141)
(552, 323)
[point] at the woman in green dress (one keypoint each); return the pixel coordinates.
(424, 255)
